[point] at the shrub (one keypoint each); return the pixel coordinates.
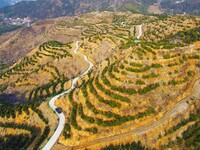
(140, 82)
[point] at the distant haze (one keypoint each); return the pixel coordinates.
(11, 2)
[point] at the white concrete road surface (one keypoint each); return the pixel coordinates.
(140, 31)
(61, 116)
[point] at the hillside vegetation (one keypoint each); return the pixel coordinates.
(43, 9)
(141, 93)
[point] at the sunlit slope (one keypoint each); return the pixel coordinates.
(45, 71)
(136, 82)
(127, 91)
(134, 92)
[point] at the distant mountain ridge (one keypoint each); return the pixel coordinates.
(4, 3)
(40, 9)
(181, 6)
(43, 9)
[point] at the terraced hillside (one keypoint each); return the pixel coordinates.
(44, 72)
(25, 89)
(134, 84)
(143, 89)
(159, 30)
(129, 92)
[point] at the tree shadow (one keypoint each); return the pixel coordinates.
(11, 98)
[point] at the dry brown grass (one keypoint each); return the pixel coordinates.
(100, 40)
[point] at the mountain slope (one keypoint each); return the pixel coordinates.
(12, 2)
(42, 9)
(39, 9)
(134, 92)
(187, 6)
(3, 3)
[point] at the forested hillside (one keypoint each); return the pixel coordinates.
(177, 7)
(42, 9)
(39, 9)
(3, 3)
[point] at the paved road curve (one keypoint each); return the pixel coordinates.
(61, 116)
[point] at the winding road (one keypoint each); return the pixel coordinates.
(170, 113)
(61, 116)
